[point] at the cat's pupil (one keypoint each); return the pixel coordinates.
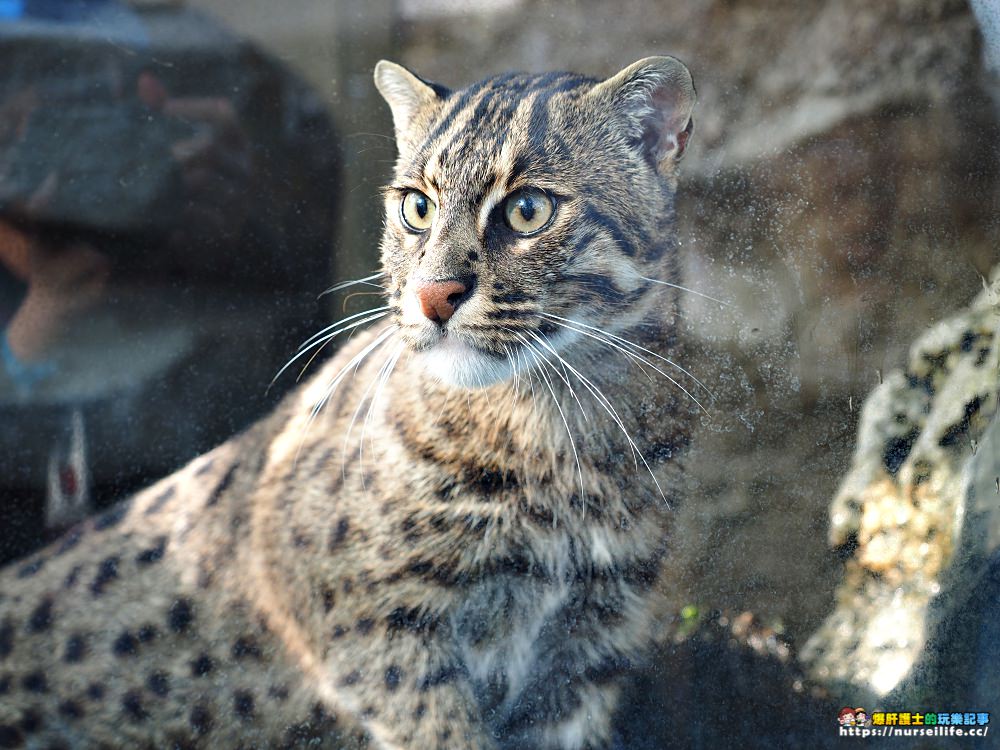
(527, 208)
(421, 205)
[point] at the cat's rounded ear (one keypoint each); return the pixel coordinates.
(406, 93)
(656, 95)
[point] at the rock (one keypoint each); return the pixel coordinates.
(919, 510)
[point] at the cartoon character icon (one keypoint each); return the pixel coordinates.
(861, 718)
(846, 717)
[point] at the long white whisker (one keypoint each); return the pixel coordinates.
(685, 289)
(344, 284)
(638, 359)
(608, 342)
(319, 334)
(603, 400)
(355, 362)
(322, 342)
(564, 375)
(555, 399)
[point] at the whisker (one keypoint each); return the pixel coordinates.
(640, 348)
(354, 362)
(639, 359)
(367, 280)
(569, 433)
(302, 350)
(330, 327)
(604, 402)
(685, 289)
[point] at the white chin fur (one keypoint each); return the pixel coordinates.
(458, 364)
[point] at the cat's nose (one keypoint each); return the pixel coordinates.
(440, 299)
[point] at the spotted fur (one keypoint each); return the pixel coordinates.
(453, 535)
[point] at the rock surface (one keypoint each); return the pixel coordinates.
(920, 508)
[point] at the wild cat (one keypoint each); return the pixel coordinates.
(452, 535)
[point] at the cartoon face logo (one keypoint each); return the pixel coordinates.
(846, 717)
(860, 717)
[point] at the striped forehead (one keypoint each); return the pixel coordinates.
(489, 131)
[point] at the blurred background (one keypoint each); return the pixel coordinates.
(187, 178)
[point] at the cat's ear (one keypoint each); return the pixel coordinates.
(406, 93)
(656, 95)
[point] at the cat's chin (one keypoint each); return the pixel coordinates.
(461, 365)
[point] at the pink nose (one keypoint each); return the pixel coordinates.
(438, 299)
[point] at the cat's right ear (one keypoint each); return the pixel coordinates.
(407, 95)
(656, 97)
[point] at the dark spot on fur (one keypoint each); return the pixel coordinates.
(473, 256)
(420, 710)
(339, 631)
(278, 692)
(159, 684)
(364, 626)
(76, 649)
(35, 682)
(10, 736)
(125, 644)
(393, 674)
(301, 540)
(31, 720)
(329, 599)
(162, 499)
(339, 533)
(352, 678)
(412, 619)
(73, 576)
(95, 691)
(200, 719)
(180, 616)
(205, 467)
(153, 554)
(4, 685)
(347, 584)
(69, 541)
(202, 666)
(442, 676)
(31, 568)
(132, 706)
(41, 618)
(71, 710)
(146, 633)
(6, 638)
(107, 571)
(246, 647)
(243, 704)
(223, 485)
(113, 517)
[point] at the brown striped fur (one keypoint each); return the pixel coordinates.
(462, 548)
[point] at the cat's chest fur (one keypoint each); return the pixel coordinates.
(507, 631)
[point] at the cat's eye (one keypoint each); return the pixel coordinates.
(528, 210)
(417, 211)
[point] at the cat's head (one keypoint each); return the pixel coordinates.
(528, 212)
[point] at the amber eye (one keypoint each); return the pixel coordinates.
(528, 210)
(417, 211)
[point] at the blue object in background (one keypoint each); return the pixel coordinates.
(11, 9)
(49, 10)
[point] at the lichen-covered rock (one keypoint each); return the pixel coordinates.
(906, 506)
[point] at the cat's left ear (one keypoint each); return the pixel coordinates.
(656, 95)
(407, 94)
